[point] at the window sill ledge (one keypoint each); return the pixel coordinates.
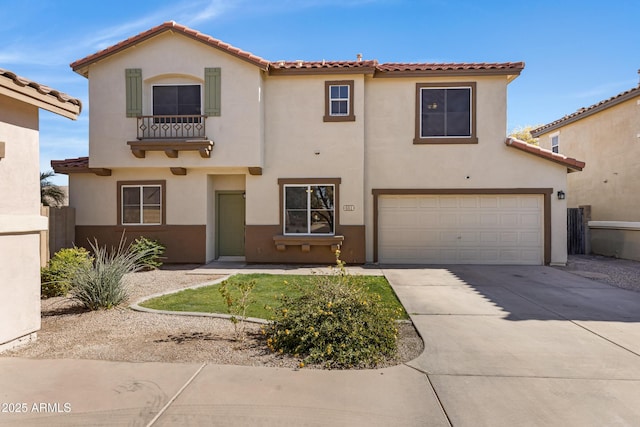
(427, 141)
(305, 242)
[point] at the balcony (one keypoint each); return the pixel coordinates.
(171, 134)
(172, 127)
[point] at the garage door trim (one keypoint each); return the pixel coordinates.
(545, 192)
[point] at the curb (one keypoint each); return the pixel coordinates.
(136, 306)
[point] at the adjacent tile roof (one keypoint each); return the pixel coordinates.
(81, 64)
(586, 112)
(571, 163)
(41, 95)
(294, 67)
(308, 67)
(77, 165)
(449, 68)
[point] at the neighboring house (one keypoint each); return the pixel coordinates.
(219, 154)
(607, 136)
(20, 220)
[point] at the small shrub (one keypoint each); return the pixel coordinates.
(101, 284)
(334, 322)
(55, 278)
(152, 250)
(237, 297)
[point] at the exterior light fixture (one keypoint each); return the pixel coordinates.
(561, 195)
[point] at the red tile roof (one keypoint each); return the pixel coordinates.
(307, 67)
(294, 67)
(79, 164)
(80, 64)
(585, 112)
(571, 163)
(501, 67)
(56, 97)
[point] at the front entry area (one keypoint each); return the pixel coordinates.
(230, 215)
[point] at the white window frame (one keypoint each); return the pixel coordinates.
(422, 89)
(555, 142)
(339, 99)
(309, 210)
(140, 188)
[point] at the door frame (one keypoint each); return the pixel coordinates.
(217, 210)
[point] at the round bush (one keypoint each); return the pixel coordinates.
(56, 277)
(334, 322)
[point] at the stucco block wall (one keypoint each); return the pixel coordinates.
(20, 222)
(19, 285)
(237, 133)
(609, 144)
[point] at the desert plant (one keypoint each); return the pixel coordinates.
(152, 250)
(102, 284)
(55, 278)
(237, 297)
(334, 322)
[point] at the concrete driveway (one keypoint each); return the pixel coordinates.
(504, 346)
(516, 346)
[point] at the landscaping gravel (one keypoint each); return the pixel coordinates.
(122, 334)
(621, 273)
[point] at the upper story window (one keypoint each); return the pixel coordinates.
(141, 203)
(339, 101)
(445, 113)
(309, 209)
(555, 143)
(176, 100)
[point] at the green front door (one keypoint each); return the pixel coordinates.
(230, 224)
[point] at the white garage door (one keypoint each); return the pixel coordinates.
(460, 229)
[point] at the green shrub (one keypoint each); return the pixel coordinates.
(101, 284)
(335, 322)
(55, 278)
(152, 250)
(237, 297)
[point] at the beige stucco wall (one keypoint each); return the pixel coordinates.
(20, 222)
(169, 59)
(609, 144)
(393, 161)
(299, 144)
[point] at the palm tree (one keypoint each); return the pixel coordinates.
(50, 194)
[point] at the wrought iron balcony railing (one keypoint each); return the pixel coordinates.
(171, 127)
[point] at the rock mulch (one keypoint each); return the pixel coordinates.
(122, 334)
(621, 273)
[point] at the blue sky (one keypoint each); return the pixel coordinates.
(576, 52)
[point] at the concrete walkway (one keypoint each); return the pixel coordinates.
(505, 346)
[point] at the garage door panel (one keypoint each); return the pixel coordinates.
(471, 229)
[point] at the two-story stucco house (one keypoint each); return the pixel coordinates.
(218, 154)
(20, 221)
(607, 136)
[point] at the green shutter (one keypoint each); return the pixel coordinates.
(133, 79)
(212, 88)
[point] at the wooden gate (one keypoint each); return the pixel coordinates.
(576, 236)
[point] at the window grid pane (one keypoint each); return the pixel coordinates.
(309, 209)
(445, 112)
(339, 100)
(142, 205)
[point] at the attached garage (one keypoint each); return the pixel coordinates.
(461, 227)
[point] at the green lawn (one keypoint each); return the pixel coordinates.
(207, 299)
